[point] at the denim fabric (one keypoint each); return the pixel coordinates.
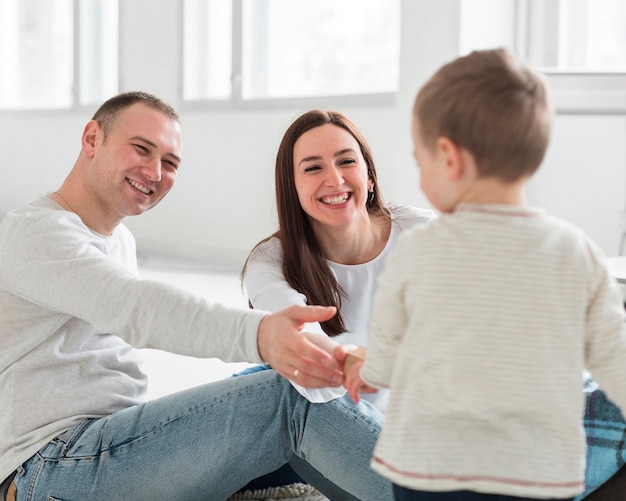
(205, 443)
(297, 470)
(285, 475)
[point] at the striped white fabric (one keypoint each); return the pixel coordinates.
(482, 326)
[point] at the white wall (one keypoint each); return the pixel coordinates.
(223, 200)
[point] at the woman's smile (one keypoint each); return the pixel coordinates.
(336, 199)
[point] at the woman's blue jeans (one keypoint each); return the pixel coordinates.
(206, 443)
(297, 470)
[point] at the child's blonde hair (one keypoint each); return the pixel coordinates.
(493, 105)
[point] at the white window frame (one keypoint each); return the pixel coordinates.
(76, 69)
(574, 92)
(237, 102)
(519, 26)
(78, 65)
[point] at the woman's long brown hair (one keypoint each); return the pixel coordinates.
(304, 266)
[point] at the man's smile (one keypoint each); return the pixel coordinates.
(140, 187)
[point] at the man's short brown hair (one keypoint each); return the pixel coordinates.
(110, 110)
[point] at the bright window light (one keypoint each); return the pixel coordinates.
(296, 48)
(43, 66)
(579, 44)
(274, 49)
(207, 49)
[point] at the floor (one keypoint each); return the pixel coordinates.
(167, 372)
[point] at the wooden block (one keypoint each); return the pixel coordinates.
(352, 357)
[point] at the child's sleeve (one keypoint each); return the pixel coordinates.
(388, 320)
(605, 343)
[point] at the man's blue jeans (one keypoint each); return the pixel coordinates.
(205, 443)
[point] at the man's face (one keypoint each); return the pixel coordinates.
(135, 166)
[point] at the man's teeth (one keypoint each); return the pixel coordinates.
(336, 200)
(140, 187)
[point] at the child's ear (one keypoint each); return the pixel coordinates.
(451, 154)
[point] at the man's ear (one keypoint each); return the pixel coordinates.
(90, 137)
(451, 154)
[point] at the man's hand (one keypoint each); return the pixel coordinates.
(291, 354)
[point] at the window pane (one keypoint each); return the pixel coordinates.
(295, 48)
(563, 35)
(207, 49)
(486, 24)
(99, 50)
(36, 54)
(593, 35)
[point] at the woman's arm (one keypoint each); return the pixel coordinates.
(266, 286)
(268, 290)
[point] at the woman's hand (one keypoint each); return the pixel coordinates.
(293, 355)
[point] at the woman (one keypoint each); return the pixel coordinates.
(334, 234)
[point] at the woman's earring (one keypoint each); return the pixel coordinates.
(370, 197)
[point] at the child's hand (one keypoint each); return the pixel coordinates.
(353, 382)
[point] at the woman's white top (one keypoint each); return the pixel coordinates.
(268, 290)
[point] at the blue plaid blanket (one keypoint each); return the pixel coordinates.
(605, 428)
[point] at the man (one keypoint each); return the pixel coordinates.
(73, 312)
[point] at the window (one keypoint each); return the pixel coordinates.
(46, 64)
(98, 50)
(207, 52)
(579, 44)
(577, 35)
(255, 50)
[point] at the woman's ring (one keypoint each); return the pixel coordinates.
(296, 373)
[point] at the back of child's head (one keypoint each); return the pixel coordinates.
(494, 106)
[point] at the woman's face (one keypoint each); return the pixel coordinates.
(330, 175)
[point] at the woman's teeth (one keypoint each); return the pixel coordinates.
(336, 200)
